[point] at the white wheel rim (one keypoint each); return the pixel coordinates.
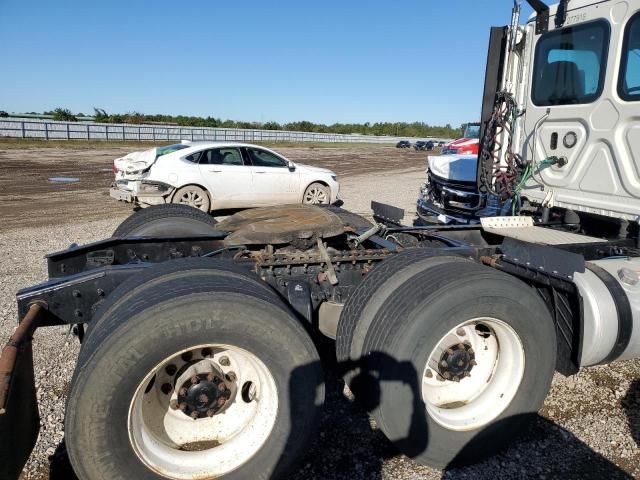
(480, 388)
(316, 196)
(192, 198)
(176, 446)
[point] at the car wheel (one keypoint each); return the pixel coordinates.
(194, 197)
(317, 194)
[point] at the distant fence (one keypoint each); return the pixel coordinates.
(52, 130)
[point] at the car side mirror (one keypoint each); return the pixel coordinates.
(291, 165)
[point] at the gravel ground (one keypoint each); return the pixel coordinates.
(588, 428)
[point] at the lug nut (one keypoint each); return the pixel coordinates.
(183, 406)
(460, 332)
(222, 387)
(182, 392)
(194, 414)
(429, 374)
(446, 375)
(444, 363)
(187, 356)
(195, 379)
(174, 404)
(211, 412)
(211, 377)
(171, 369)
(166, 388)
(224, 361)
(220, 401)
(473, 363)
(450, 351)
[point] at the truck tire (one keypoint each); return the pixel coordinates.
(204, 377)
(373, 291)
(166, 220)
(194, 268)
(464, 355)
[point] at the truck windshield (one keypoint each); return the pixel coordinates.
(472, 131)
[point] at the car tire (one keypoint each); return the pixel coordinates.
(317, 194)
(110, 431)
(448, 418)
(166, 220)
(193, 196)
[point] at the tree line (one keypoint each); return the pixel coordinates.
(397, 129)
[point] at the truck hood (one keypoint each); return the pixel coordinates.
(463, 142)
(461, 168)
(136, 162)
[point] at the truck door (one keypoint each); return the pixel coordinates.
(581, 104)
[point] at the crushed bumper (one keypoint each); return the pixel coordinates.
(141, 192)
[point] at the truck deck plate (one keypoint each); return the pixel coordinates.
(522, 228)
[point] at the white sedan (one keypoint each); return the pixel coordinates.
(219, 175)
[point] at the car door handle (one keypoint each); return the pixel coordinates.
(260, 171)
(215, 171)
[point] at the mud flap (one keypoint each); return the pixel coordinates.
(19, 417)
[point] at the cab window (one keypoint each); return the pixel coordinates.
(262, 158)
(629, 83)
(221, 156)
(569, 66)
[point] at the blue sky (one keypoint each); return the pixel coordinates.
(329, 61)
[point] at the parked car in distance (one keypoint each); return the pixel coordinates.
(424, 145)
(219, 175)
(403, 144)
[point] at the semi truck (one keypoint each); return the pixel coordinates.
(199, 355)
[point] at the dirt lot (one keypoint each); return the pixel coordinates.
(28, 198)
(589, 427)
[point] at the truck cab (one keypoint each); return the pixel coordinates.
(573, 84)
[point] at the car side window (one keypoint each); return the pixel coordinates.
(569, 65)
(629, 83)
(194, 157)
(262, 158)
(222, 156)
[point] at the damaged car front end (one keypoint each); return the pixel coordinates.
(449, 194)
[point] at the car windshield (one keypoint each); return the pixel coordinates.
(160, 151)
(472, 131)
